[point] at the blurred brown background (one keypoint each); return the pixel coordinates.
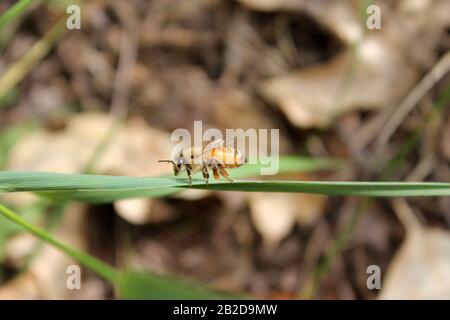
(139, 69)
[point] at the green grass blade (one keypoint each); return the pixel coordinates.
(130, 284)
(93, 188)
(30, 213)
(339, 188)
(16, 72)
(17, 9)
(81, 187)
(138, 286)
(287, 164)
(105, 271)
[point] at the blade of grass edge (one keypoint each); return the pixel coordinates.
(138, 285)
(16, 72)
(102, 269)
(130, 284)
(17, 9)
(95, 188)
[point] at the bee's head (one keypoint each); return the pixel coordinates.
(177, 165)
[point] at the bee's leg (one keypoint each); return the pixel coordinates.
(224, 172)
(219, 167)
(189, 174)
(205, 172)
(215, 172)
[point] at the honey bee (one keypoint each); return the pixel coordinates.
(215, 156)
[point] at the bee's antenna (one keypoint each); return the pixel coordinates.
(168, 161)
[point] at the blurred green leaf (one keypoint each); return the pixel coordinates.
(138, 285)
(16, 10)
(131, 285)
(102, 269)
(10, 98)
(94, 188)
(7, 228)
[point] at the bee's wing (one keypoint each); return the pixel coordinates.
(210, 146)
(214, 144)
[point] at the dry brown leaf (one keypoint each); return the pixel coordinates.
(339, 16)
(385, 66)
(272, 5)
(143, 211)
(408, 22)
(135, 148)
(22, 287)
(315, 96)
(135, 211)
(421, 268)
(18, 248)
(275, 214)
